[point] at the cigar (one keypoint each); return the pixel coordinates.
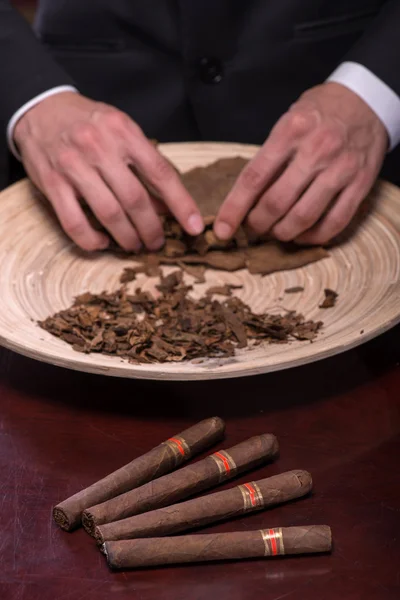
(155, 463)
(168, 489)
(249, 497)
(146, 552)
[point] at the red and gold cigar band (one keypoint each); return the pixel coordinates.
(179, 447)
(225, 463)
(252, 496)
(273, 541)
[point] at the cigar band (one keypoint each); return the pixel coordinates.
(225, 463)
(252, 496)
(273, 541)
(179, 447)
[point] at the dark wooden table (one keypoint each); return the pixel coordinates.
(340, 419)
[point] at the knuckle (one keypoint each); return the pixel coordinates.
(298, 122)
(85, 135)
(330, 184)
(162, 169)
(75, 228)
(251, 178)
(66, 159)
(273, 205)
(326, 144)
(331, 140)
(303, 217)
(134, 202)
(364, 180)
(114, 119)
(351, 162)
(51, 180)
(110, 213)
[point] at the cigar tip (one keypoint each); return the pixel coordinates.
(98, 536)
(326, 534)
(104, 550)
(109, 558)
(218, 423)
(61, 518)
(88, 522)
(271, 443)
(304, 478)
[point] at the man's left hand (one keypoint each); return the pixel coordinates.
(312, 173)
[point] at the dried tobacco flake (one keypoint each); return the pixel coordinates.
(330, 298)
(223, 290)
(294, 290)
(172, 327)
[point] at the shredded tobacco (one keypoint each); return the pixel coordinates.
(173, 326)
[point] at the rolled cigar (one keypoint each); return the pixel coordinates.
(127, 554)
(168, 489)
(255, 495)
(158, 461)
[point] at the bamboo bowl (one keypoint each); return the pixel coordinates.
(42, 272)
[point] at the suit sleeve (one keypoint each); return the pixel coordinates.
(379, 48)
(26, 68)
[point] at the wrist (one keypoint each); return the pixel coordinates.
(18, 125)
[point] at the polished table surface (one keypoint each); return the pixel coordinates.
(340, 419)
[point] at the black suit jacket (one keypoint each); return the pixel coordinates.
(195, 69)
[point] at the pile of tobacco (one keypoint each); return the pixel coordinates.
(173, 326)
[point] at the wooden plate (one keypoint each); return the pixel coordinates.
(41, 273)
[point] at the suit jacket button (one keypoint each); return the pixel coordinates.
(210, 69)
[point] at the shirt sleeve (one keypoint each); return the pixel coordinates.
(375, 92)
(27, 106)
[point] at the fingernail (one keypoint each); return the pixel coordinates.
(157, 244)
(223, 231)
(195, 224)
(104, 244)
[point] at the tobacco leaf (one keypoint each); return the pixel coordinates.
(275, 256)
(209, 187)
(172, 327)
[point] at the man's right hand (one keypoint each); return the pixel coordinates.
(73, 147)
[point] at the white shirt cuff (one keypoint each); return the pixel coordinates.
(24, 109)
(375, 92)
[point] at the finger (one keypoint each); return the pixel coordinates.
(260, 172)
(136, 202)
(341, 213)
(100, 199)
(160, 173)
(72, 218)
(64, 201)
(314, 202)
(249, 185)
(280, 197)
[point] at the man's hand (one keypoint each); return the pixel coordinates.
(74, 147)
(317, 166)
